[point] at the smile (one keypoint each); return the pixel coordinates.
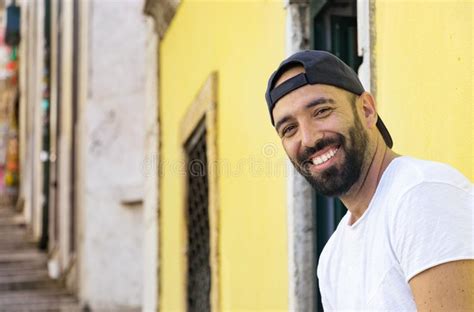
(318, 160)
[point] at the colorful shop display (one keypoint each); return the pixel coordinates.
(9, 160)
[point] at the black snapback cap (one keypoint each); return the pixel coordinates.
(320, 67)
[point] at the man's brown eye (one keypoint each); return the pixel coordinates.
(322, 112)
(287, 130)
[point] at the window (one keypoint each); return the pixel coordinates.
(198, 137)
(199, 271)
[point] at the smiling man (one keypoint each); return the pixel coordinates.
(407, 240)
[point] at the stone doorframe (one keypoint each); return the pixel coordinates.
(160, 13)
(301, 231)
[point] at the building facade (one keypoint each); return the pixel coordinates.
(149, 170)
(87, 128)
(223, 239)
(262, 231)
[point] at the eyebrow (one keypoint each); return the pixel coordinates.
(318, 101)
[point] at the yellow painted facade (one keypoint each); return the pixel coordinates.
(242, 42)
(424, 78)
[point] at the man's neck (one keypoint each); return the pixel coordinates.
(357, 200)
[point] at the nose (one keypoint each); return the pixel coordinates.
(309, 135)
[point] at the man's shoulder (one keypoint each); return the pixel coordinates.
(430, 223)
(410, 172)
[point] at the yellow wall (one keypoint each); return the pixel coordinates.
(424, 73)
(243, 41)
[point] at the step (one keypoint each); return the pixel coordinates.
(13, 234)
(12, 218)
(20, 276)
(15, 228)
(24, 282)
(32, 300)
(39, 264)
(20, 239)
(5, 295)
(25, 270)
(21, 256)
(12, 230)
(44, 307)
(7, 213)
(37, 300)
(9, 226)
(20, 265)
(9, 247)
(15, 238)
(23, 238)
(12, 271)
(3, 207)
(12, 221)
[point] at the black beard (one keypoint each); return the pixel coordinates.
(335, 181)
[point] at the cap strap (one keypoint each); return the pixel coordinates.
(288, 86)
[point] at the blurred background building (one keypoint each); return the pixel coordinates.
(137, 154)
(78, 104)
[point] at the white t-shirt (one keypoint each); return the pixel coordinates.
(421, 215)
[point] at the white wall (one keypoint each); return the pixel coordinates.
(64, 143)
(30, 84)
(24, 159)
(113, 130)
(150, 169)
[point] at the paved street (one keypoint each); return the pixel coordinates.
(24, 281)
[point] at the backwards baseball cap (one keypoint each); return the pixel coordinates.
(320, 67)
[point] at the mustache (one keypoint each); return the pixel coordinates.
(303, 158)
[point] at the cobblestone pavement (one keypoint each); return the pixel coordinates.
(24, 282)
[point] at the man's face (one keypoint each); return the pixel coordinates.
(323, 135)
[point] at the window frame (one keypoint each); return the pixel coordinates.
(204, 107)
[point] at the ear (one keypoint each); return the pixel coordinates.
(368, 109)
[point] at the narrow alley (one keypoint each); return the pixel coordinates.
(24, 281)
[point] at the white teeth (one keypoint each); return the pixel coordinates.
(325, 157)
